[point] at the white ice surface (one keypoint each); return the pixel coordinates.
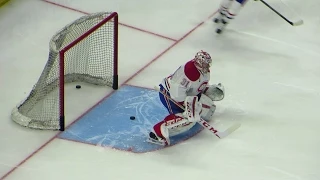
(271, 72)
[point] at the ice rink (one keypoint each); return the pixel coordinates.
(271, 72)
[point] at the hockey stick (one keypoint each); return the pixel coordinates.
(297, 23)
(202, 122)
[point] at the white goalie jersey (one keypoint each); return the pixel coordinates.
(186, 81)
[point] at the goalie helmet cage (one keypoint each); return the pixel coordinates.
(84, 51)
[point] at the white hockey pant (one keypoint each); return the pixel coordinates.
(230, 8)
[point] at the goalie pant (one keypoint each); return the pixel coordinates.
(177, 123)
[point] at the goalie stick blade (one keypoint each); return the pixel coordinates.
(228, 131)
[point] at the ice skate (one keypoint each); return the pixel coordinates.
(219, 17)
(153, 138)
(222, 26)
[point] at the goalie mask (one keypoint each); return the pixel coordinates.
(203, 61)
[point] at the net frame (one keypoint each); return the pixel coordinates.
(62, 79)
(62, 56)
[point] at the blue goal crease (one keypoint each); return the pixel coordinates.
(109, 123)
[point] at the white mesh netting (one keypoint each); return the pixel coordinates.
(90, 59)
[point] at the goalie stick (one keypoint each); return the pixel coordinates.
(202, 122)
(297, 23)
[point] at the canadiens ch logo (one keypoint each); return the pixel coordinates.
(202, 86)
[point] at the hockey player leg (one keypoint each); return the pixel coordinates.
(160, 134)
(167, 103)
(230, 14)
(225, 4)
(178, 123)
(172, 125)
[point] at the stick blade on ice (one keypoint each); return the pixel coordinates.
(229, 130)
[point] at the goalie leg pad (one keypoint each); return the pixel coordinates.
(192, 108)
(172, 125)
(208, 107)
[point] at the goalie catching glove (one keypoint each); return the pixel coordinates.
(215, 92)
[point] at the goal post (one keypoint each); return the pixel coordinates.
(85, 50)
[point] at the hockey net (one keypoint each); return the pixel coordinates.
(84, 51)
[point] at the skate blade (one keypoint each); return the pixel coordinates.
(153, 141)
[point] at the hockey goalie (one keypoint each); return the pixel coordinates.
(188, 97)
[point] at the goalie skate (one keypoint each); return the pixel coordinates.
(153, 138)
